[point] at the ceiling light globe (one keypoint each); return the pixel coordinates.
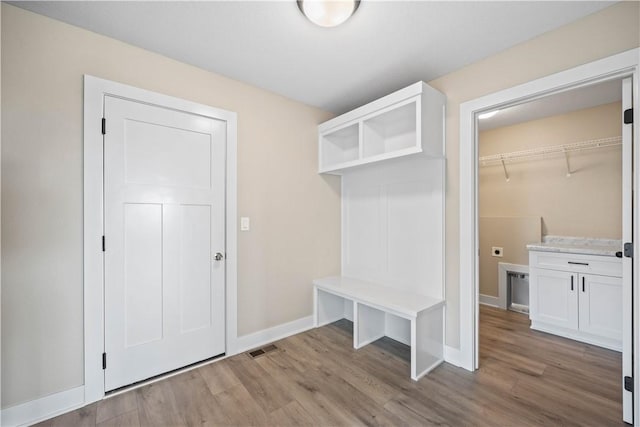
(328, 13)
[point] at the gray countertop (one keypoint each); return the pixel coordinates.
(577, 245)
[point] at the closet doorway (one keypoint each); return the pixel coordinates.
(620, 66)
(550, 227)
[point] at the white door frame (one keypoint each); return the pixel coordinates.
(95, 90)
(624, 64)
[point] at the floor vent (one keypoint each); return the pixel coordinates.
(263, 350)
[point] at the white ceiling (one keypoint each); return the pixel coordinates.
(553, 105)
(383, 47)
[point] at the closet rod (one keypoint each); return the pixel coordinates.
(563, 149)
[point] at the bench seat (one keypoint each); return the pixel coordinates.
(377, 310)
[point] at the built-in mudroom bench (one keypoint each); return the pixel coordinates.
(390, 155)
(374, 308)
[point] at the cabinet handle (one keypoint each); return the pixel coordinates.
(572, 282)
(582, 283)
(577, 263)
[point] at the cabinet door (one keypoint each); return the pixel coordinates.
(600, 305)
(555, 298)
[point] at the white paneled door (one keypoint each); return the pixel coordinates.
(164, 220)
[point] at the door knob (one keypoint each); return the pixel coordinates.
(218, 256)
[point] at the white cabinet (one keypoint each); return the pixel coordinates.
(577, 296)
(554, 298)
(409, 121)
(600, 306)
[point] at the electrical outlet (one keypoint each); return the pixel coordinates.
(496, 251)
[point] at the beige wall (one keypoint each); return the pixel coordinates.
(43, 61)
(610, 31)
(512, 234)
(586, 204)
(295, 212)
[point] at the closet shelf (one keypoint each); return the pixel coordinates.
(542, 152)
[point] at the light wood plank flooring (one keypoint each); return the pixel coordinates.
(316, 378)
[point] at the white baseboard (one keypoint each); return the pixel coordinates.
(611, 344)
(59, 403)
(266, 336)
(489, 300)
(43, 408)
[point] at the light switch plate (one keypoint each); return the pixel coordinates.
(245, 223)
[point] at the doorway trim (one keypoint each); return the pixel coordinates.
(95, 89)
(624, 64)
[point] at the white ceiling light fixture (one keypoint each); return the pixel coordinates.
(328, 13)
(488, 115)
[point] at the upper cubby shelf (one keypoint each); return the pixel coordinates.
(406, 122)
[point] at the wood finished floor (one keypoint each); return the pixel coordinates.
(316, 378)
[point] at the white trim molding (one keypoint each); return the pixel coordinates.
(60, 403)
(266, 336)
(489, 300)
(95, 90)
(43, 408)
(621, 65)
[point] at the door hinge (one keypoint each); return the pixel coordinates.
(103, 244)
(628, 384)
(104, 126)
(628, 249)
(628, 116)
(104, 360)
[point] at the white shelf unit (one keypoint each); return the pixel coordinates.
(392, 275)
(341, 146)
(540, 153)
(406, 122)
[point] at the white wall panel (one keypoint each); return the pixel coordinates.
(362, 216)
(393, 225)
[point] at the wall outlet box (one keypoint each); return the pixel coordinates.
(496, 251)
